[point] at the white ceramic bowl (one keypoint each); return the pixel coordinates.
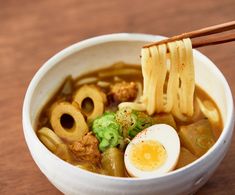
(103, 51)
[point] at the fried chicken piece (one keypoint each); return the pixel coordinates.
(124, 91)
(86, 150)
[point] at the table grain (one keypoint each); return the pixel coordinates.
(33, 31)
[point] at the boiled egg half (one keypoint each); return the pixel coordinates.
(153, 152)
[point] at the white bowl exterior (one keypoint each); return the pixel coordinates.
(103, 51)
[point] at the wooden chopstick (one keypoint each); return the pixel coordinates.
(203, 32)
(213, 40)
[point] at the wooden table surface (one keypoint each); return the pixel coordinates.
(33, 31)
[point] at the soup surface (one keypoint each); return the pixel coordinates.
(84, 125)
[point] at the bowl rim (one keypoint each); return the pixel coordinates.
(28, 128)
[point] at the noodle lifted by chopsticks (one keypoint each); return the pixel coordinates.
(168, 80)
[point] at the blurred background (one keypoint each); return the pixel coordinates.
(32, 31)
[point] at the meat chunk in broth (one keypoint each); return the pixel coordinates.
(86, 150)
(124, 91)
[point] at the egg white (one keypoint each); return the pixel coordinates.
(165, 135)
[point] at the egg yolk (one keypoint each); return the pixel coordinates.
(148, 155)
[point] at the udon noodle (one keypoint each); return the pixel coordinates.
(168, 80)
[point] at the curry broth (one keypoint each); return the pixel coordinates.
(104, 78)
